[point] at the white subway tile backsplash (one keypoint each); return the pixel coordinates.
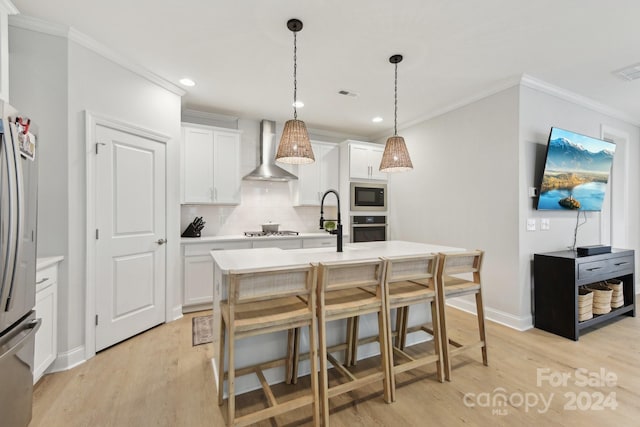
(261, 202)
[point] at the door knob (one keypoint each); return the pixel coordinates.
(161, 241)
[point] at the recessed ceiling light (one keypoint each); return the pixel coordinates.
(298, 104)
(376, 119)
(187, 82)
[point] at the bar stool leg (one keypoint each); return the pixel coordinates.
(483, 336)
(444, 341)
(324, 379)
(313, 359)
(385, 346)
(435, 312)
(231, 380)
(221, 337)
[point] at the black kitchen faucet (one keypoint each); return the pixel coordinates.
(338, 229)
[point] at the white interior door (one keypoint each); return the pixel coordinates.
(130, 221)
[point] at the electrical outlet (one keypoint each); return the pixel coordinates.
(533, 192)
(531, 224)
(545, 224)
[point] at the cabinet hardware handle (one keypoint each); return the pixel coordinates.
(161, 241)
(621, 263)
(42, 280)
(594, 268)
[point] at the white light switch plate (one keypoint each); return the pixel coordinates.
(545, 224)
(531, 224)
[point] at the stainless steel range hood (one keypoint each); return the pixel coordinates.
(267, 170)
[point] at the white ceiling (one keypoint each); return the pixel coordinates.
(240, 52)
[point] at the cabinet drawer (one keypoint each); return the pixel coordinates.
(196, 249)
(621, 264)
(46, 277)
(592, 269)
(324, 242)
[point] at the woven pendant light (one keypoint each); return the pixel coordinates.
(295, 146)
(396, 156)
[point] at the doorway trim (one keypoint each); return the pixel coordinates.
(619, 200)
(92, 120)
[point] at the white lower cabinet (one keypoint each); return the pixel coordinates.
(46, 341)
(197, 278)
(198, 273)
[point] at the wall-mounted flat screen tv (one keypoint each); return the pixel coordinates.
(576, 172)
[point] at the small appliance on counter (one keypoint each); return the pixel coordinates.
(193, 229)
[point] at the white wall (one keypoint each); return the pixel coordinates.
(71, 79)
(539, 111)
(463, 192)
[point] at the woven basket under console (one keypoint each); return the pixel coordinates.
(585, 303)
(601, 297)
(617, 296)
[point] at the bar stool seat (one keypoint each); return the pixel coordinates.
(264, 301)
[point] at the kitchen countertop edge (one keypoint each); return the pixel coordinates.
(241, 237)
(44, 262)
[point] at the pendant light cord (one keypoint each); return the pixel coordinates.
(395, 104)
(295, 79)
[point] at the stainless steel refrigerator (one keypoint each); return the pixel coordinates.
(18, 323)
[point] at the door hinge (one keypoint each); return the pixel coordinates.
(96, 320)
(97, 234)
(99, 144)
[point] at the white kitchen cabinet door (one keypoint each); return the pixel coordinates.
(318, 177)
(210, 165)
(226, 168)
(364, 161)
(198, 279)
(197, 165)
(46, 341)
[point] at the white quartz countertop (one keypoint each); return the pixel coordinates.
(45, 262)
(242, 237)
(248, 259)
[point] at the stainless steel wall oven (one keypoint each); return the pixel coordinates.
(368, 228)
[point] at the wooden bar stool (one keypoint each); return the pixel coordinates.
(409, 281)
(263, 301)
(349, 289)
(450, 285)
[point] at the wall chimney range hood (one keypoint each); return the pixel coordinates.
(267, 170)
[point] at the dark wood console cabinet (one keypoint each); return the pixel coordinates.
(557, 276)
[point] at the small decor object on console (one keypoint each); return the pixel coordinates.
(593, 250)
(193, 229)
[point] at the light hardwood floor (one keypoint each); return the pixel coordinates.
(158, 379)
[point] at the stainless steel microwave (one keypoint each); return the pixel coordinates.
(367, 196)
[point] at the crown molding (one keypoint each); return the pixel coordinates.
(205, 115)
(507, 84)
(9, 7)
(548, 88)
(71, 34)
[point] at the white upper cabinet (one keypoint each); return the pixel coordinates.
(6, 8)
(316, 178)
(364, 161)
(210, 165)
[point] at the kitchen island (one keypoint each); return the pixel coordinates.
(265, 348)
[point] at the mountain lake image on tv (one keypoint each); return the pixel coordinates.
(576, 172)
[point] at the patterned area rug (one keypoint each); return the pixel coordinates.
(202, 329)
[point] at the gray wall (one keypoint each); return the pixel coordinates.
(463, 191)
(473, 167)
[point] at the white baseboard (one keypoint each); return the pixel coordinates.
(506, 319)
(67, 360)
(176, 313)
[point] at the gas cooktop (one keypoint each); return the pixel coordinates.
(267, 234)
